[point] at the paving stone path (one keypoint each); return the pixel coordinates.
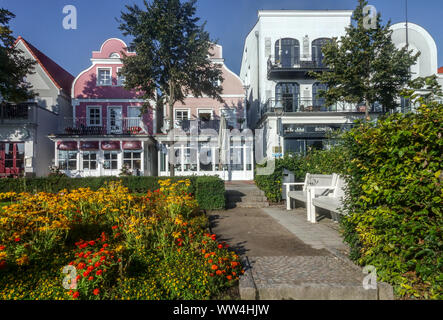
(286, 257)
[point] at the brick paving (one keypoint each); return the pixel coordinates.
(287, 257)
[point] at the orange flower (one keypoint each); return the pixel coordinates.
(219, 272)
(229, 277)
(214, 267)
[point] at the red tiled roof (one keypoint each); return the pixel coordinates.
(440, 70)
(59, 76)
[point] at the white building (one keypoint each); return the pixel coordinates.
(279, 52)
(24, 146)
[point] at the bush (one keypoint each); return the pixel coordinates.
(210, 193)
(395, 200)
(315, 162)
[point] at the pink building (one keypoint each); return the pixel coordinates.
(195, 154)
(107, 131)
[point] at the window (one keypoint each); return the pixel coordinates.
(94, 116)
(111, 160)
(104, 77)
(204, 115)
(89, 160)
(67, 160)
(181, 115)
(120, 78)
(132, 160)
(114, 55)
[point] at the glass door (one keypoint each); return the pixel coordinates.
(12, 159)
(288, 94)
(115, 120)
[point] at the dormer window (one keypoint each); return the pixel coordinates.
(104, 77)
(114, 55)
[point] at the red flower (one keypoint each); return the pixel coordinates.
(86, 273)
(99, 272)
(80, 266)
(2, 248)
(214, 267)
(92, 243)
(97, 264)
(76, 294)
(211, 274)
(91, 278)
(220, 246)
(114, 227)
(213, 237)
(96, 292)
(229, 277)
(17, 239)
(218, 272)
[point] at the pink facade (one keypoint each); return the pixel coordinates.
(233, 93)
(87, 91)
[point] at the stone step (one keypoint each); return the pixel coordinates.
(231, 205)
(306, 278)
(254, 193)
(235, 198)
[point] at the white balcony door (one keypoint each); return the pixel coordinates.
(115, 120)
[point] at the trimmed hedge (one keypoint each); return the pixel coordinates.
(210, 193)
(208, 190)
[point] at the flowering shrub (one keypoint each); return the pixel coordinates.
(145, 247)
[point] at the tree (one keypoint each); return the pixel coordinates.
(14, 67)
(172, 58)
(365, 66)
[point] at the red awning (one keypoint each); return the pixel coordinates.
(89, 145)
(68, 145)
(110, 145)
(132, 145)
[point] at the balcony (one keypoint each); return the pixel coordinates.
(294, 106)
(115, 126)
(24, 113)
(292, 68)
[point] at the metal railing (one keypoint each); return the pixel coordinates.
(290, 105)
(187, 125)
(293, 63)
(86, 126)
(20, 113)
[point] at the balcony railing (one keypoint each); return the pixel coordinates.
(290, 67)
(18, 114)
(117, 126)
(290, 105)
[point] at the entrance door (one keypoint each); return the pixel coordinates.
(12, 159)
(115, 120)
(287, 50)
(288, 93)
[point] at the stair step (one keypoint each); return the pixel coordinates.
(247, 199)
(247, 204)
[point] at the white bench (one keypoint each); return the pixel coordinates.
(315, 184)
(333, 202)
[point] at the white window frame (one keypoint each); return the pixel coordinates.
(97, 162)
(88, 116)
(132, 159)
(67, 160)
(188, 111)
(205, 110)
(118, 153)
(120, 79)
(98, 76)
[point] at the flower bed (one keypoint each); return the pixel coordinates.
(120, 246)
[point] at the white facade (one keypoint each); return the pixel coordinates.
(280, 50)
(27, 131)
(265, 45)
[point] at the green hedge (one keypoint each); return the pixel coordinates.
(316, 162)
(395, 200)
(209, 191)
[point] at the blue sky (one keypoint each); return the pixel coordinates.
(228, 21)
